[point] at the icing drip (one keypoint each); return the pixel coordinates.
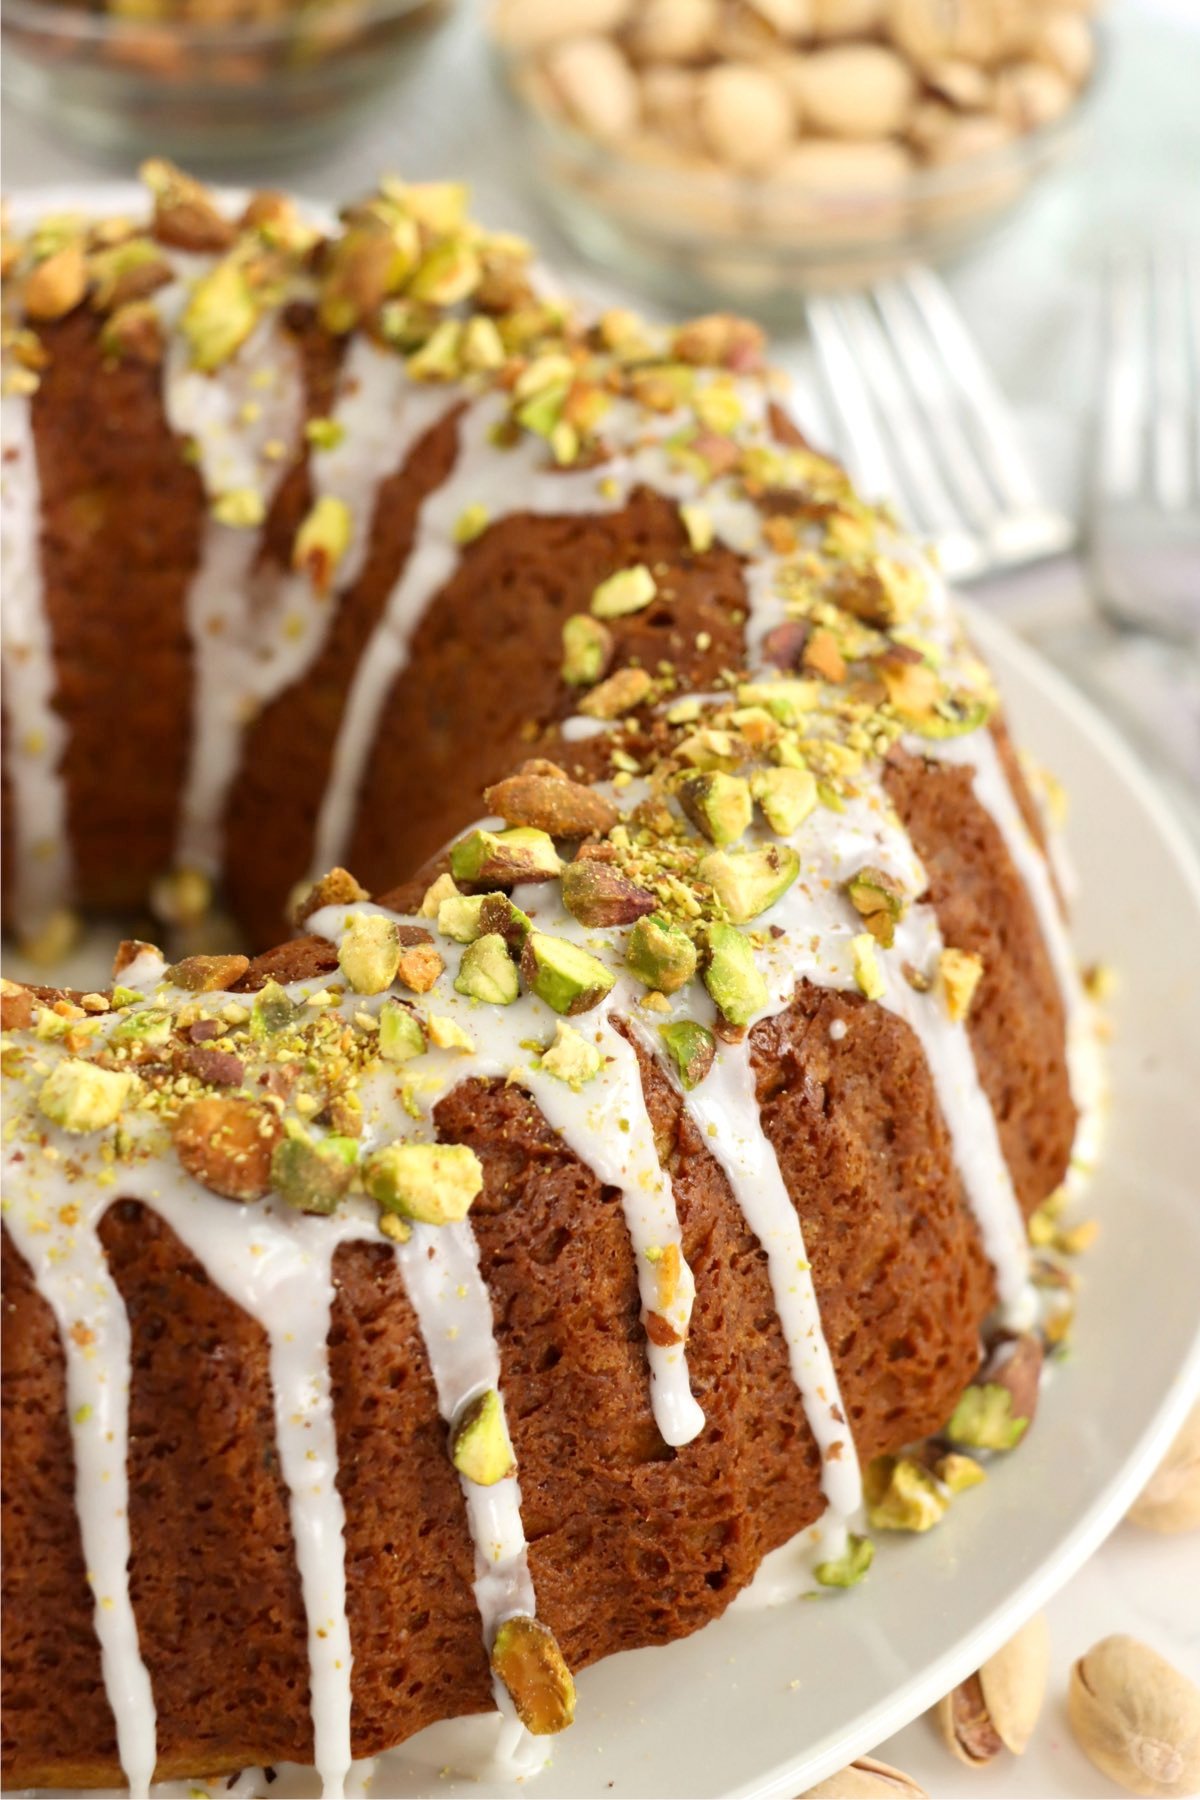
(1084, 1061)
(36, 734)
(443, 1280)
(54, 1225)
(244, 427)
(725, 1108)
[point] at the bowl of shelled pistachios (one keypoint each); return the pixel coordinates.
(740, 150)
(209, 82)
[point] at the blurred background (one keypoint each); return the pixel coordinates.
(973, 226)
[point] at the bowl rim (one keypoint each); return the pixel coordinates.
(56, 19)
(1024, 152)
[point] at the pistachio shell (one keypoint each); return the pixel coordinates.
(1170, 1501)
(997, 1708)
(1137, 1718)
(866, 1779)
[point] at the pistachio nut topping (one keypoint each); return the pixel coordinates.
(487, 971)
(848, 1569)
(480, 1448)
(527, 1659)
(571, 1058)
(432, 1184)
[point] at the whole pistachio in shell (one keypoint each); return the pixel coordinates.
(1170, 1500)
(997, 1708)
(1137, 1718)
(866, 1779)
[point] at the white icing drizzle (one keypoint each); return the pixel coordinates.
(725, 1107)
(36, 734)
(1085, 1064)
(441, 1273)
(54, 1225)
(255, 405)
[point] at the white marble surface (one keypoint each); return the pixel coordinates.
(1030, 297)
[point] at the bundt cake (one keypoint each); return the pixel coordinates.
(485, 1280)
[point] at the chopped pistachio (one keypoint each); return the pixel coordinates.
(322, 541)
(786, 796)
(691, 1048)
(401, 1036)
(219, 317)
(786, 700)
(149, 1027)
(660, 954)
(600, 896)
(500, 914)
(487, 972)
(750, 881)
(732, 976)
(369, 953)
(325, 434)
(568, 979)
(505, 857)
(458, 917)
(471, 523)
(448, 273)
(621, 693)
(848, 1569)
(959, 973)
(983, 1419)
(527, 1659)
(867, 972)
(879, 900)
(81, 1097)
(447, 1034)
(958, 1473)
(628, 591)
(240, 508)
(587, 650)
(698, 523)
(480, 1447)
(444, 888)
(309, 1177)
(718, 804)
(273, 1010)
(419, 967)
(571, 1058)
(434, 1184)
(902, 1495)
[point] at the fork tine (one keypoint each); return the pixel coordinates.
(937, 514)
(862, 445)
(1172, 381)
(919, 354)
(1123, 405)
(991, 420)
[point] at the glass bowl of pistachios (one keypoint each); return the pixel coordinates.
(742, 151)
(207, 82)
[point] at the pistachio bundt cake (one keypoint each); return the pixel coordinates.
(486, 1279)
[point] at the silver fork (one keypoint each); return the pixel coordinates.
(922, 423)
(1144, 539)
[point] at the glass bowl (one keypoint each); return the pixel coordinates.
(208, 92)
(713, 238)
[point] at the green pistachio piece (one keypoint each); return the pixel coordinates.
(731, 974)
(786, 796)
(309, 1177)
(984, 1420)
(958, 1473)
(480, 1448)
(369, 953)
(952, 717)
(902, 1495)
(487, 972)
(660, 954)
(622, 693)
(505, 857)
(465, 917)
(148, 1027)
(587, 650)
(567, 978)
(322, 541)
(718, 805)
(848, 1569)
(628, 591)
(571, 1058)
(401, 1035)
(691, 1048)
(434, 1184)
(272, 1011)
(499, 914)
(448, 273)
(219, 317)
(867, 972)
(750, 881)
(880, 901)
(959, 973)
(786, 700)
(599, 896)
(527, 1659)
(81, 1097)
